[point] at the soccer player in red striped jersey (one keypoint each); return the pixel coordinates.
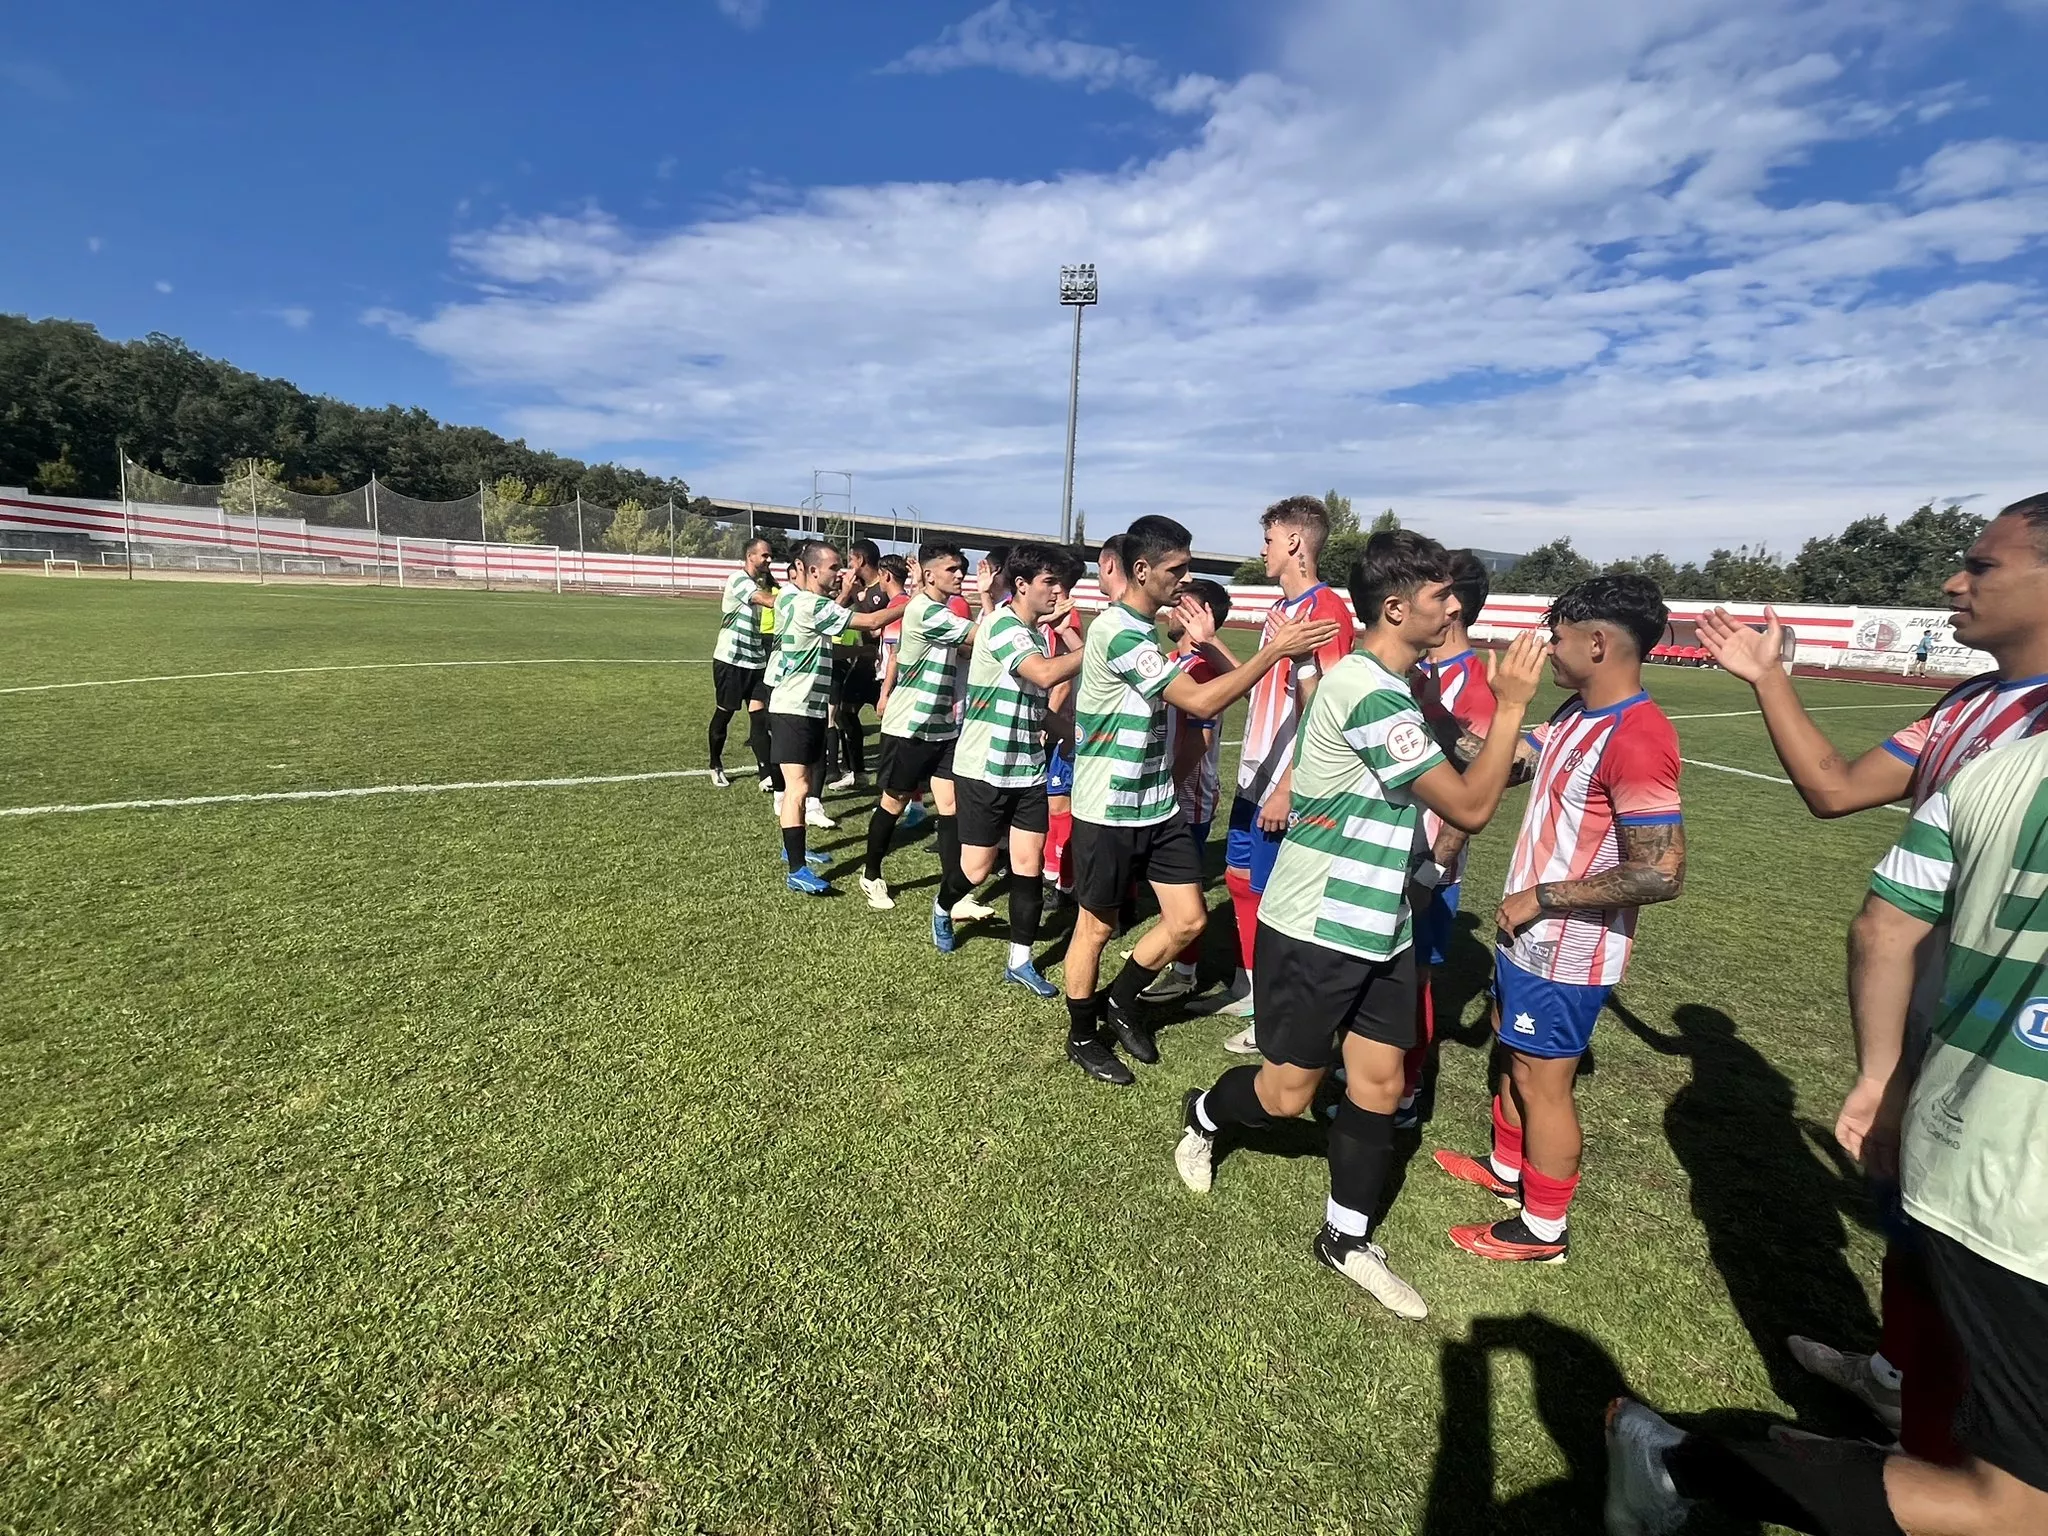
(1998, 604)
(1450, 684)
(1296, 530)
(1602, 836)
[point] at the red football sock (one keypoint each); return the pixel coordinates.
(1418, 1054)
(1507, 1143)
(1245, 901)
(1543, 1197)
(1060, 830)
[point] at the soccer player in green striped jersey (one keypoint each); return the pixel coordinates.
(1127, 824)
(740, 652)
(999, 766)
(1334, 928)
(808, 613)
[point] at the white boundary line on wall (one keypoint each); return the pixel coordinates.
(273, 796)
(373, 666)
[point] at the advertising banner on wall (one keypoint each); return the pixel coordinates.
(1888, 639)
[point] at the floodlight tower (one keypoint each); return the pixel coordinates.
(1077, 290)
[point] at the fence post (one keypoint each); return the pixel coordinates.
(401, 560)
(375, 529)
(671, 543)
(558, 570)
(127, 521)
(256, 522)
(483, 527)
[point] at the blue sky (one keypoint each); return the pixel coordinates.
(1677, 275)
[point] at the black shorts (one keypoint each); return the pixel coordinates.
(732, 685)
(2000, 1318)
(1107, 859)
(987, 813)
(761, 692)
(1312, 996)
(796, 740)
(909, 764)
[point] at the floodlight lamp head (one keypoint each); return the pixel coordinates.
(1077, 284)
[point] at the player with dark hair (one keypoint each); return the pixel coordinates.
(1451, 685)
(921, 727)
(1336, 958)
(740, 653)
(808, 613)
(1127, 826)
(999, 765)
(1601, 838)
(856, 666)
(1296, 530)
(1999, 604)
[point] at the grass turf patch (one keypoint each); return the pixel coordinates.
(531, 1160)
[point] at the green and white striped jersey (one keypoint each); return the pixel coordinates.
(1002, 740)
(1341, 879)
(1976, 855)
(1123, 775)
(740, 642)
(927, 672)
(800, 674)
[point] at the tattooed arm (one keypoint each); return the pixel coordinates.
(1652, 869)
(1524, 769)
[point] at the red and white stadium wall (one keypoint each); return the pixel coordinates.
(1880, 638)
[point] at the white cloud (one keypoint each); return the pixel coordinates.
(162, 286)
(1516, 271)
(1018, 40)
(296, 316)
(744, 13)
(93, 244)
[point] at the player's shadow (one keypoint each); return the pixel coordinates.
(1575, 1379)
(1773, 1212)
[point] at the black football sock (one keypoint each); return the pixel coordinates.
(721, 722)
(757, 741)
(853, 751)
(881, 828)
(1130, 981)
(1232, 1100)
(1828, 1487)
(1361, 1150)
(793, 846)
(1027, 901)
(1081, 1017)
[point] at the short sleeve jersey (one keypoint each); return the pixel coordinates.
(1199, 791)
(800, 676)
(1599, 770)
(1275, 707)
(739, 642)
(1467, 696)
(1123, 774)
(1341, 879)
(1971, 719)
(1002, 740)
(1975, 856)
(921, 704)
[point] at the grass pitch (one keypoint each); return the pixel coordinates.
(529, 1160)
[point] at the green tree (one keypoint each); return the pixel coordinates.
(1342, 519)
(1081, 527)
(253, 485)
(58, 476)
(1386, 522)
(1251, 573)
(1547, 571)
(514, 511)
(1749, 576)
(636, 530)
(1872, 562)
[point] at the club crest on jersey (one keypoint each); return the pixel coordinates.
(1408, 742)
(2031, 1025)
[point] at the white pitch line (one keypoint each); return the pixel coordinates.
(352, 794)
(1751, 773)
(374, 666)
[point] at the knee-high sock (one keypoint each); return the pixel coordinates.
(793, 847)
(1233, 1099)
(1245, 901)
(1361, 1150)
(757, 740)
(721, 722)
(881, 827)
(1546, 1202)
(1027, 901)
(853, 747)
(953, 882)
(1507, 1146)
(1418, 1054)
(1828, 1487)
(1059, 833)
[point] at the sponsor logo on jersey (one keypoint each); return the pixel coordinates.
(2032, 1024)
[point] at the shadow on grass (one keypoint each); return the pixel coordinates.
(1575, 1379)
(1772, 1210)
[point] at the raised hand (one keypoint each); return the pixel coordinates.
(1742, 652)
(1297, 637)
(1517, 672)
(1197, 623)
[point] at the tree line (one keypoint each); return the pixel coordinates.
(1874, 562)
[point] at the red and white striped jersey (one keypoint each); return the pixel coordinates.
(1464, 693)
(1970, 720)
(1275, 710)
(1198, 791)
(1600, 770)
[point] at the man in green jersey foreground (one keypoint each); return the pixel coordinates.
(808, 613)
(1966, 1138)
(740, 652)
(1127, 824)
(999, 765)
(1336, 957)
